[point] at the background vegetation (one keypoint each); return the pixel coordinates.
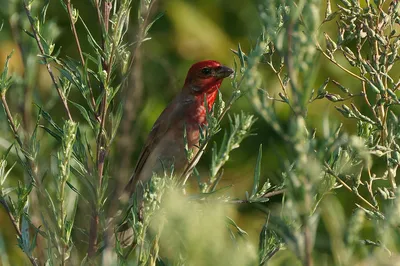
(305, 173)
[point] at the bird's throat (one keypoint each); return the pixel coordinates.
(211, 98)
(198, 110)
(211, 95)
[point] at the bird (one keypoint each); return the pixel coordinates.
(165, 144)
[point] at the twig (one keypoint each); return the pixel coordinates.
(15, 27)
(32, 169)
(290, 69)
(330, 171)
(273, 252)
(266, 195)
(307, 244)
(36, 36)
(16, 227)
(28, 90)
(14, 129)
(339, 65)
(232, 100)
(101, 151)
(397, 86)
(278, 75)
(94, 223)
(308, 199)
(368, 102)
(69, 9)
(11, 120)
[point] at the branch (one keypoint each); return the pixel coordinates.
(36, 36)
(16, 227)
(266, 195)
(11, 120)
(332, 173)
(69, 9)
(339, 65)
(101, 151)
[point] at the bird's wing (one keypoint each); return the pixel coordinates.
(159, 130)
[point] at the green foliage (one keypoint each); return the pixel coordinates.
(75, 177)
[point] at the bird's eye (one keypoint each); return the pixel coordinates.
(206, 71)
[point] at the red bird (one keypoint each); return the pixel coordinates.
(165, 143)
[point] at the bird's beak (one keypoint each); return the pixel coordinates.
(223, 72)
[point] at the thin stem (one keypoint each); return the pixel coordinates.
(101, 149)
(308, 247)
(31, 167)
(330, 171)
(266, 195)
(15, 26)
(142, 27)
(11, 120)
(16, 227)
(368, 102)
(63, 247)
(339, 65)
(69, 9)
(397, 86)
(28, 90)
(62, 222)
(307, 244)
(94, 223)
(37, 38)
(107, 67)
(280, 80)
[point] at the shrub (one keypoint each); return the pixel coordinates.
(65, 209)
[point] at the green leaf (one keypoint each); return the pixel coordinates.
(42, 17)
(33, 242)
(3, 174)
(24, 241)
(257, 173)
(279, 226)
(5, 155)
(269, 243)
(83, 112)
(6, 191)
(240, 231)
(116, 121)
(79, 152)
(5, 82)
(158, 16)
(91, 39)
(54, 213)
(70, 221)
(48, 118)
(52, 133)
(86, 182)
(74, 189)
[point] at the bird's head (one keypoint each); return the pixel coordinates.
(206, 77)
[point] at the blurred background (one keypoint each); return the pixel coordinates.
(188, 31)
